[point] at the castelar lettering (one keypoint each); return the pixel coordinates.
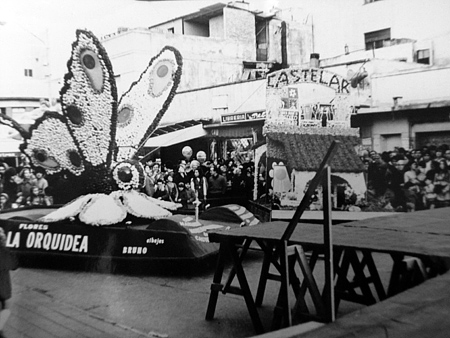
(310, 75)
(49, 241)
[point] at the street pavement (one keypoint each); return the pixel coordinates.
(62, 303)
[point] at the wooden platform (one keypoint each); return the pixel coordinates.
(423, 235)
(338, 216)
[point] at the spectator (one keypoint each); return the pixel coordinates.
(447, 157)
(237, 183)
(10, 185)
(186, 196)
(27, 182)
(5, 202)
(217, 184)
(395, 179)
(37, 198)
(376, 174)
(161, 191)
(199, 185)
(41, 182)
(171, 186)
(181, 175)
(442, 184)
(150, 183)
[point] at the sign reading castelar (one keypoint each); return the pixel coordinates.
(308, 75)
(308, 97)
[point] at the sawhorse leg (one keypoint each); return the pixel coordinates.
(216, 286)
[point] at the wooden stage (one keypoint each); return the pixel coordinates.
(338, 216)
(419, 245)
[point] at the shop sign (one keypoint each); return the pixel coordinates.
(293, 76)
(239, 117)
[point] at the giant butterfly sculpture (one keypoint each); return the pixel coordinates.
(96, 138)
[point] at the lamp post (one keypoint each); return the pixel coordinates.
(46, 45)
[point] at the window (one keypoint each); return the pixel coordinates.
(28, 72)
(377, 39)
(171, 30)
(423, 56)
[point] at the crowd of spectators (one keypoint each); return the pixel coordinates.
(184, 183)
(409, 180)
(189, 181)
(23, 186)
(401, 180)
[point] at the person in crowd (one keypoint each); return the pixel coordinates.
(186, 196)
(442, 184)
(412, 187)
(439, 155)
(171, 186)
(249, 182)
(5, 202)
(8, 262)
(447, 157)
(156, 171)
(41, 181)
(161, 191)
(26, 183)
(37, 198)
(237, 183)
(149, 183)
(3, 167)
(199, 185)
(376, 173)
(426, 158)
(11, 182)
(230, 167)
(181, 175)
(429, 195)
(217, 184)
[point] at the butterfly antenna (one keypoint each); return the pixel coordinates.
(10, 122)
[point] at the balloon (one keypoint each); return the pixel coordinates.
(187, 152)
(280, 173)
(201, 156)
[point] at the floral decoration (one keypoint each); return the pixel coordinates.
(93, 143)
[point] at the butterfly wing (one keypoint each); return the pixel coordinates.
(89, 99)
(51, 146)
(144, 104)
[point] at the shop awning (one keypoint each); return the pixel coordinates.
(175, 133)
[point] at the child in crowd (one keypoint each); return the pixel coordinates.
(186, 196)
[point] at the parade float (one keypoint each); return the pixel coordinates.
(306, 109)
(94, 143)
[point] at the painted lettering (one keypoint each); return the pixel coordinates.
(15, 242)
(134, 250)
(54, 242)
(155, 241)
(284, 78)
(26, 226)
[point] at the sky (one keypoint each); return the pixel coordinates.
(54, 22)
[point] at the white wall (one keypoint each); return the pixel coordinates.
(199, 104)
(413, 85)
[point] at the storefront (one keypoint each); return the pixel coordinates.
(235, 136)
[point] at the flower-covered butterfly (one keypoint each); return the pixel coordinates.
(96, 138)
